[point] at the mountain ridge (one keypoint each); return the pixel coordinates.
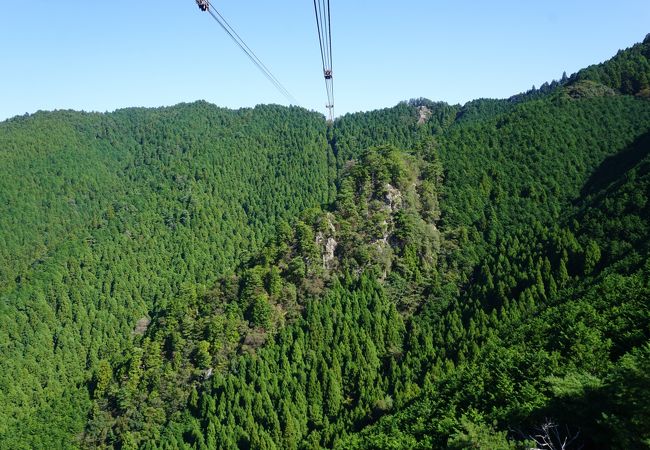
(485, 238)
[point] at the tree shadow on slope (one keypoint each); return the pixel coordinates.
(615, 166)
(613, 413)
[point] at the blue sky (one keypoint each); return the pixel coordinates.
(103, 55)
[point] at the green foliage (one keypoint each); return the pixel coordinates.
(628, 72)
(627, 415)
(478, 436)
(303, 377)
(202, 355)
(188, 278)
(106, 217)
(549, 245)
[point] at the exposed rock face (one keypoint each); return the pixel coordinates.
(588, 89)
(207, 373)
(393, 198)
(424, 114)
(328, 254)
(328, 243)
(141, 326)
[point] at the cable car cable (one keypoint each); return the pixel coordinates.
(324, 29)
(320, 36)
(275, 81)
(251, 55)
(329, 26)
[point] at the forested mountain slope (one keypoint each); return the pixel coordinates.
(299, 334)
(552, 321)
(553, 328)
(512, 293)
(627, 72)
(102, 216)
(480, 271)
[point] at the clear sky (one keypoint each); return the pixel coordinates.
(99, 55)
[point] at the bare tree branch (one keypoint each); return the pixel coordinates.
(549, 437)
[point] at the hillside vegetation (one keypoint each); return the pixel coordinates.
(423, 276)
(104, 216)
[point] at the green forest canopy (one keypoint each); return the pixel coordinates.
(195, 277)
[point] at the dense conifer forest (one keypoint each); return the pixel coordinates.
(422, 276)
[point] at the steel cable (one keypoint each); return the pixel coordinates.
(251, 55)
(324, 29)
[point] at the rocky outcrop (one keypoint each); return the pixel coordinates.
(393, 198)
(327, 243)
(423, 114)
